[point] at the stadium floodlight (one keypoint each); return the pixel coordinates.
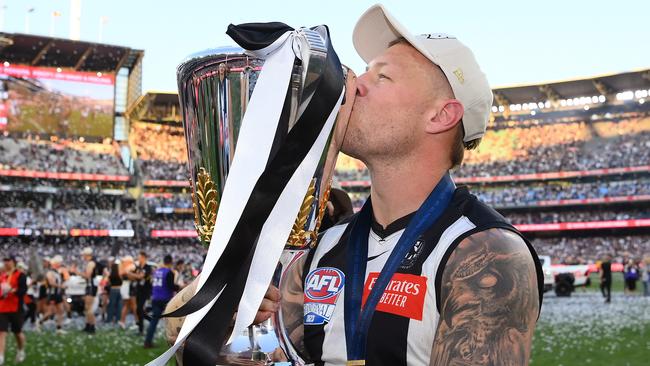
(641, 94)
(6, 64)
(540, 105)
(602, 98)
(99, 74)
(641, 101)
(495, 109)
(569, 102)
(626, 95)
(586, 108)
(502, 108)
(563, 103)
(594, 99)
(532, 113)
(58, 69)
(547, 104)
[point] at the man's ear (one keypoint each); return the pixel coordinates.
(443, 118)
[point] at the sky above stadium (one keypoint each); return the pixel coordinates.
(515, 42)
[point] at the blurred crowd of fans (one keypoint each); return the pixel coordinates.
(161, 151)
(60, 155)
(583, 250)
(35, 218)
(573, 216)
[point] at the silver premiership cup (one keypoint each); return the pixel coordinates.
(215, 87)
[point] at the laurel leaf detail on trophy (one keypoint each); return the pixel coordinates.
(298, 236)
(205, 203)
(322, 206)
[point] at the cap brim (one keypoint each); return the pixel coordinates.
(376, 29)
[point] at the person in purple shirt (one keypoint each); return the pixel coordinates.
(163, 290)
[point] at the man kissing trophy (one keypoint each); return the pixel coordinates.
(263, 125)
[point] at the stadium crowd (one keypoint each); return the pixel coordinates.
(583, 250)
(41, 218)
(174, 200)
(518, 194)
(161, 151)
(60, 155)
(531, 194)
(167, 222)
(577, 216)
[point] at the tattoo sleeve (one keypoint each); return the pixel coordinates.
(489, 302)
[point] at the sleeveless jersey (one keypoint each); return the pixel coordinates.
(58, 280)
(403, 327)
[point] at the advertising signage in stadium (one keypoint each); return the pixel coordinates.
(63, 176)
(173, 234)
(13, 231)
(587, 225)
(54, 101)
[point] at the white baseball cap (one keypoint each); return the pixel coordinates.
(87, 251)
(377, 28)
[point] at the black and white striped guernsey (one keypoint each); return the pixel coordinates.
(403, 327)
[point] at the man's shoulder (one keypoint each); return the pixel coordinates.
(476, 210)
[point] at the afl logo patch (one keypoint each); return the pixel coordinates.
(322, 289)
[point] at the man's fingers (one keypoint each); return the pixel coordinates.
(268, 305)
(273, 293)
(262, 316)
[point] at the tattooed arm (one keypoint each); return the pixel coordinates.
(489, 302)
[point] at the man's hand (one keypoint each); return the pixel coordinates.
(489, 302)
(270, 305)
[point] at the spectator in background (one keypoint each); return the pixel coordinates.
(55, 286)
(645, 275)
(606, 278)
(129, 278)
(163, 291)
(143, 287)
(114, 295)
(91, 271)
(13, 286)
(631, 275)
(181, 275)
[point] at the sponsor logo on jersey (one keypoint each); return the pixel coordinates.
(322, 289)
(404, 295)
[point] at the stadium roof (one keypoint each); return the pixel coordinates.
(65, 53)
(607, 85)
(157, 107)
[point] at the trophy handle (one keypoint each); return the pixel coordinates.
(287, 322)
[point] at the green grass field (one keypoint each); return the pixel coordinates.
(580, 330)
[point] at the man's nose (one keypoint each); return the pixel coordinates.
(362, 85)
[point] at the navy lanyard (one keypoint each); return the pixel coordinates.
(357, 320)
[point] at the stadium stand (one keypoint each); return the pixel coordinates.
(576, 151)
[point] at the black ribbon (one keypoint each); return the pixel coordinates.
(204, 343)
